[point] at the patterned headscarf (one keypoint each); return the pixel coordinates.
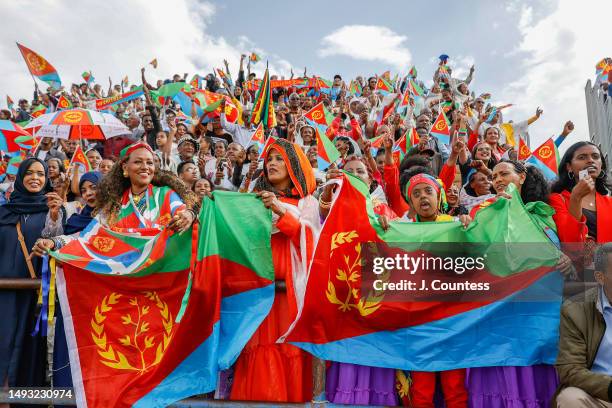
(432, 181)
(129, 149)
(299, 169)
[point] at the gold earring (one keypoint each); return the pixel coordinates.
(125, 174)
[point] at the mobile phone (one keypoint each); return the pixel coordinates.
(583, 174)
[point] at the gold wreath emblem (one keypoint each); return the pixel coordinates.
(524, 150)
(164, 220)
(73, 117)
(103, 244)
(316, 115)
(36, 62)
(351, 276)
(440, 125)
(135, 343)
(545, 152)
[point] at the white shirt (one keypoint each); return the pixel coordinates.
(241, 134)
(210, 170)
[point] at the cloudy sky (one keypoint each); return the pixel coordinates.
(527, 53)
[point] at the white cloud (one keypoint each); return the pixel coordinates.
(115, 39)
(370, 43)
(559, 54)
(461, 65)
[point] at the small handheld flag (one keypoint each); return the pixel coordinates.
(327, 153)
(9, 103)
(524, 151)
(254, 58)
(546, 158)
(413, 72)
(440, 128)
(399, 149)
(63, 103)
(79, 159)
(383, 86)
(38, 111)
(266, 146)
(88, 77)
(414, 88)
(14, 162)
(124, 82)
(258, 138)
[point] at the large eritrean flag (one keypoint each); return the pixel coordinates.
(40, 67)
(149, 320)
(346, 321)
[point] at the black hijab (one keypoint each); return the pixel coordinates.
(21, 200)
(78, 222)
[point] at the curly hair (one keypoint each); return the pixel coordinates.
(113, 185)
(535, 187)
(565, 182)
(410, 161)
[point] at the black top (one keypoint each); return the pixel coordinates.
(591, 222)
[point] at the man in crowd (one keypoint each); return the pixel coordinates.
(46, 150)
(584, 362)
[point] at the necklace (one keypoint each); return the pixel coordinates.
(140, 201)
(138, 197)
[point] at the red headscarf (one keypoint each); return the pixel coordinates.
(298, 166)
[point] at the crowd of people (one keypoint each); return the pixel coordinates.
(47, 204)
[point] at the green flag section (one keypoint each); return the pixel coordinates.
(237, 228)
(149, 333)
(235, 239)
(504, 311)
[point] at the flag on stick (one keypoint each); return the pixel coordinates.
(40, 67)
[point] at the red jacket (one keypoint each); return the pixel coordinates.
(334, 129)
(571, 230)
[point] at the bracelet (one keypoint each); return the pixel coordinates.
(58, 242)
(195, 216)
(324, 204)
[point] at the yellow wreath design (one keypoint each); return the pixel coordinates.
(365, 306)
(116, 359)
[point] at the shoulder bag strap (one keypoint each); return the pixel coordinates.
(24, 249)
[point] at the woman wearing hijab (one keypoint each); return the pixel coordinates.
(22, 219)
(267, 371)
(75, 224)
